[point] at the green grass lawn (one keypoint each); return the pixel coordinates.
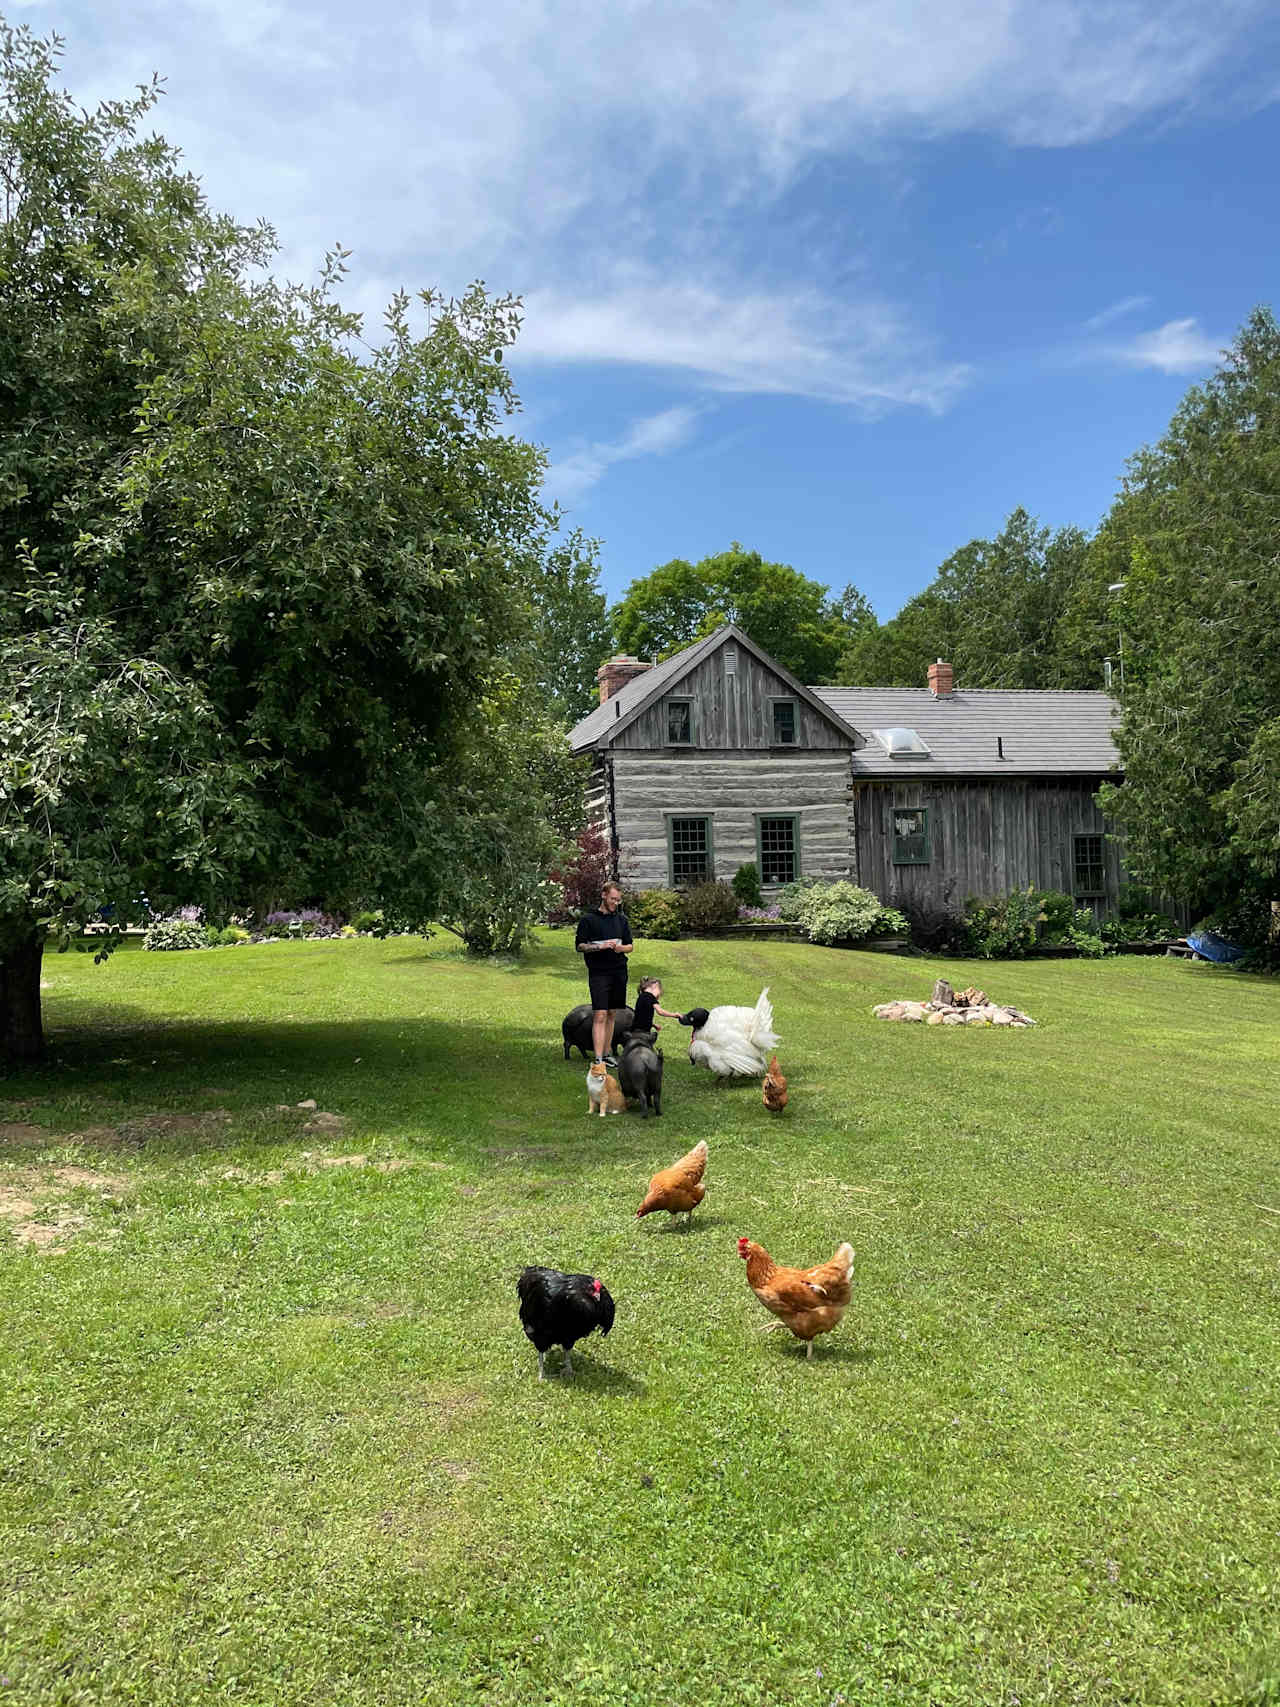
(270, 1431)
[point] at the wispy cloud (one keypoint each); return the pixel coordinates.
(572, 476)
(1117, 311)
(795, 343)
(1179, 346)
(561, 146)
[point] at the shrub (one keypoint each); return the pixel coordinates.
(791, 898)
(1002, 928)
(653, 913)
(746, 886)
(842, 912)
(318, 924)
(369, 923)
(583, 875)
(1085, 933)
(282, 923)
(759, 915)
(1059, 915)
(933, 925)
(708, 907)
(183, 929)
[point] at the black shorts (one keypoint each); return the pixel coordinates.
(608, 989)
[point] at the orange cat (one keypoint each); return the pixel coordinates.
(604, 1094)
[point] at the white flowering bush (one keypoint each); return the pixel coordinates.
(841, 912)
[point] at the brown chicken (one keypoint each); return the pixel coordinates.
(679, 1188)
(809, 1301)
(775, 1088)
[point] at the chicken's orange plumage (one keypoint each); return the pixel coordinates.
(810, 1301)
(775, 1088)
(679, 1188)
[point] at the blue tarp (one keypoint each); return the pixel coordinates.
(1210, 946)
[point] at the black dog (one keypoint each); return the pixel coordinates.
(640, 1071)
(575, 1028)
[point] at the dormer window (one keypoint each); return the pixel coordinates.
(679, 723)
(902, 743)
(784, 723)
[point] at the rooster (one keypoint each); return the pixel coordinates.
(561, 1309)
(809, 1301)
(775, 1088)
(732, 1041)
(679, 1188)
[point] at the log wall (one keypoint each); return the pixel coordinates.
(731, 788)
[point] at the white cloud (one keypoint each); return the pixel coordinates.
(796, 343)
(1179, 346)
(569, 478)
(1117, 311)
(578, 151)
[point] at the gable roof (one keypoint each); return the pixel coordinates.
(599, 727)
(1044, 733)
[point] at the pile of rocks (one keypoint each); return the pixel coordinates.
(953, 1007)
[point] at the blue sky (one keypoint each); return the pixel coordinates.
(844, 282)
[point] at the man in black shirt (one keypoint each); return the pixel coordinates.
(604, 938)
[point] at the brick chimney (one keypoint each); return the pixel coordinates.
(941, 680)
(615, 673)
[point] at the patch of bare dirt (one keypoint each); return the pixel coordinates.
(15, 1207)
(34, 1219)
(323, 1121)
(48, 1235)
(18, 1132)
(342, 1161)
(134, 1132)
(90, 1177)
(456, 1469)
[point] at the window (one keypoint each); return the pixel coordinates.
(691, 858)
(784, 723)
(1090, 867)
(911, 835)
(680, 723)
(778, 846)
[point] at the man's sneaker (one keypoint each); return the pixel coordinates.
(611, 1060)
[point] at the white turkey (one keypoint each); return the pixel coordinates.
(732, 1042)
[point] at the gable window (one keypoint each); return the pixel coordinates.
(679, 723)
(1090, 867)
(911, 835)
(778, 846)
(784, 723)
(690, 850)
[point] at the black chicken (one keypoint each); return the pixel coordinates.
(561, 1309)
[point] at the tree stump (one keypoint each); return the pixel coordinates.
(943, 995)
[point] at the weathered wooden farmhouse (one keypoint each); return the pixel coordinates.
(924, 795)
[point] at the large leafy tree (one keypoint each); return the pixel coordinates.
(793, 618)
(1193, 540)
(570, 630)
(258, 578)
(993, 610)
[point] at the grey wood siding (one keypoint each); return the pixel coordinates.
(732, 709)
(985, 839)
(731, 789)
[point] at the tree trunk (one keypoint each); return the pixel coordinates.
(21, 1033)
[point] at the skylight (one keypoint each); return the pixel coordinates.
(901, 743)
